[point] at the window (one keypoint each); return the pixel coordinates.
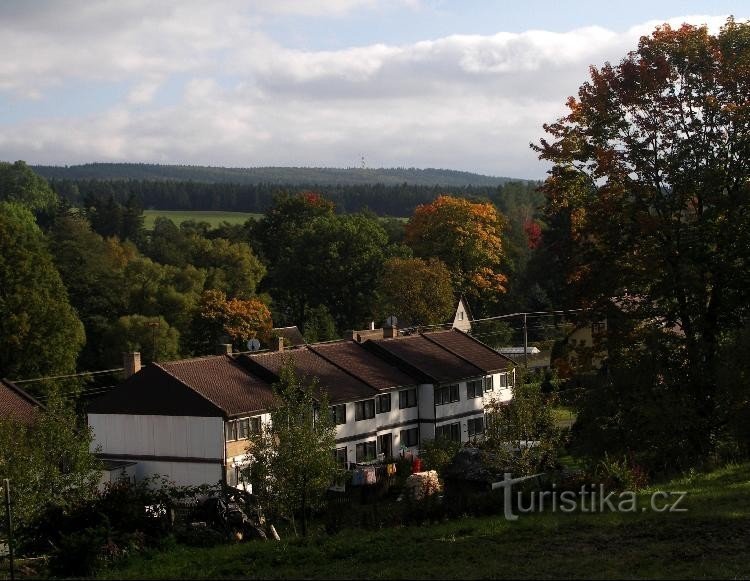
(243, 428)
(449, 432)
(503, 380)
(410, 438)
(598, 328)
(446, 394)
(460, 315)
(407, 398)
(364, 410)
(383, 403)
(338, 414)
(475, 426)
(474, 389)
(234, 475)
(231, 431)
(385, 445)
(341, 456)
(255, 425)
(489, 383)
(366, 451)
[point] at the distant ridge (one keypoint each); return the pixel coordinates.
(270, 175)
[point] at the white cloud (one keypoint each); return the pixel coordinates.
(465, 102)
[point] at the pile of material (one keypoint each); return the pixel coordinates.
(420, 485)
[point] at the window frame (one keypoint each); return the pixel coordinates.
(379, 408)
(341, 456)
(404, 398)
(450, 428)
(338, 421)
(472, 422)
(365, 446)
(450, 389)
(474, 388)
(404, 437)
(361, 409)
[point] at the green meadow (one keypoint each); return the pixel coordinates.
(708, 540)
(212, 217)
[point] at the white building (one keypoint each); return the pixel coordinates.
(190, 420)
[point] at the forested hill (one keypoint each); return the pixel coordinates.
(269, 175)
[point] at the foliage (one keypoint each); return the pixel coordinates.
(39, 331)
(48, 463)
(437, 454)
(466, 236)
(319, 258)
(521, 433)
(417, 291)
(292, 461)
(138, 333)
(229, 320)
(19, 184)
(650, 195)
(620, 473)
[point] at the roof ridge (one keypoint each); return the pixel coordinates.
(191, 359)
(474, 365)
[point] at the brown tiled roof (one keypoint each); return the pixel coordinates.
(428, 357)
(16, 404)
(474, 351)
(224, 382)
(153, 391)
(207, 386)
(339, 385)
(373, 370)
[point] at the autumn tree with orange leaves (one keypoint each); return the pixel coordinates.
(650, 179)
(219, 319)
(466, 236)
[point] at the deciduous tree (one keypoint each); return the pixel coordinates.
(293, 461)
(466, 236)
(40, 332)
(651, 172)
(417, 291)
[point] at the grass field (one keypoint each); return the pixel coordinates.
(708, 541)
(180, 216)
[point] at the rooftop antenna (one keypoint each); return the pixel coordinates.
(253, 345)
(154, 326)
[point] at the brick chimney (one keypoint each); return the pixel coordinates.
(224, 349)
(280, 344)
(390, 332)
(132, 363)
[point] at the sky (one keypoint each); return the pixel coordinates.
(463, 85)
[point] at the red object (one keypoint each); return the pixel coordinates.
(416, 465)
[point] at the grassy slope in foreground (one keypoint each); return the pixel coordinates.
(710, 540)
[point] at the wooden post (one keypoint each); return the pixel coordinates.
(9, 520)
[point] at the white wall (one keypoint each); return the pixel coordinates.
(152, 435)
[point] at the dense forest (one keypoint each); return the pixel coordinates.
(317, 176)
(322, 260)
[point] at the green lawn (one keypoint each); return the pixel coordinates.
(710, 540)
(564, 417)
(212, 217)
